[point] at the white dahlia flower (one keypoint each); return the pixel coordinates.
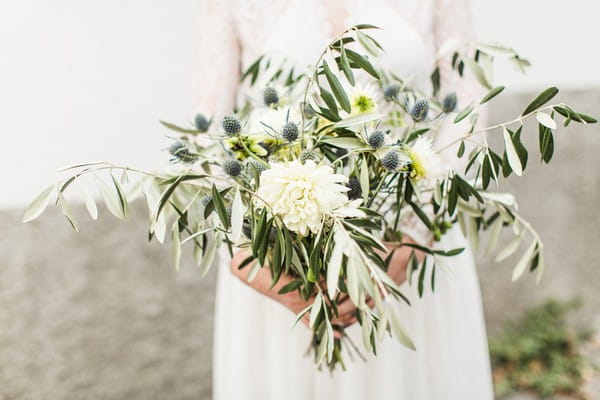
(301, 194)
(426, 162)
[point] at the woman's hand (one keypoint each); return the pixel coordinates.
(292, 300)
(396, 270)
(296, 303)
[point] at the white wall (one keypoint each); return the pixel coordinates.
(87, 80)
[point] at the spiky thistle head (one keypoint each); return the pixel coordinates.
(449, 103)
(181, 153)
(355, 190)
(420, 110)
(308, 154)
(290, 132)
(391, 91)
(376, 139)
(390, 160)
(232, 167)
(201, 122)
(231, 125)
(270, 96)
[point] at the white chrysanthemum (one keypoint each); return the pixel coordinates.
(425, 161)
(301, 194)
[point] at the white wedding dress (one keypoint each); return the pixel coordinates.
(256, 353)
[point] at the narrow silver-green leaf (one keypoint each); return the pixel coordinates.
(337, 88)
(511, 152)
(90, 204)
(491, 94)
(463, 114)
(545, 120)
(237, 217)
(509, 249)
(38, 205)
(316, 308)
(524, 261)
(66, 210)
(111, 199)
(399, 330)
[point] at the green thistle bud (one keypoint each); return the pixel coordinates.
(270, 96)
(308, 154)
(391, 160)
(290, 132)
(391, 91)
(181, 153)
(355, 190)
(420, 110)
(449, 103)
(376, 139)
(201, 123)
(232, 167)
(231, 125)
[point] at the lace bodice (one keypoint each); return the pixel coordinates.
(234, 33)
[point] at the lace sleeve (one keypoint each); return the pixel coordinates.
(218, 53)
(452, 21)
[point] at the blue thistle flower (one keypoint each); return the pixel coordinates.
(270, 96)
(391, 160)
(391, 91)
(376, 139)
(231, 125)
(290, 132)
(232, 167)
(449, 103)
(420, 110)
(308, 154)
(201, 123)
(355, 190)
(181, 153)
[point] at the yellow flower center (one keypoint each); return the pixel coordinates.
(362, 104)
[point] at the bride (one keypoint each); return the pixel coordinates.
(256, 353)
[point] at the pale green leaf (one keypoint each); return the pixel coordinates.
(513, 158)
(357, 120)
(90, 204)
(209, 254)
(524, 261)
(237, 217)
(399, 330)
(495, 231)
(545, 120)
(111, 198)
(316, 308)
(38, 205)
(509, 249)
(349, 143)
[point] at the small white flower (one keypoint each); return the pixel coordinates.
(425, 161)
(364, 98)
(301, 194)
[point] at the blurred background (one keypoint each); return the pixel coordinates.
(101, 314)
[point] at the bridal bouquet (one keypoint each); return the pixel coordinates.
(317, 174)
